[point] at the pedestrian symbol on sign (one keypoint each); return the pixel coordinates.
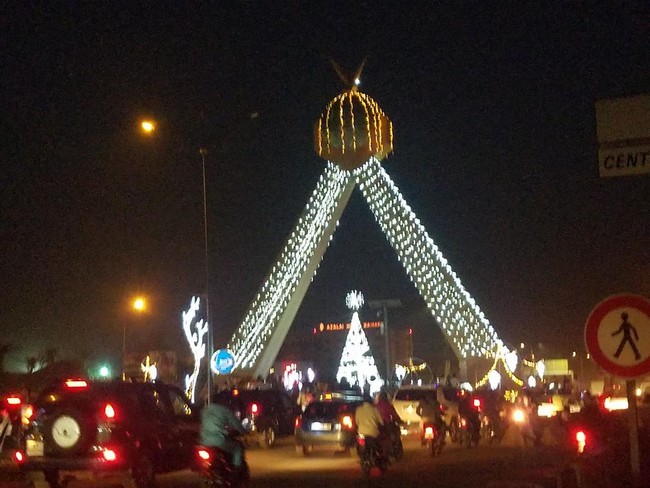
(627, 329)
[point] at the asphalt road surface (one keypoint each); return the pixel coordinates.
(483, 466)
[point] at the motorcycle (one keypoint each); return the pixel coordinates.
(370, 456)
(469, 432)
(215, 468)
(433, 438)
(394, 442)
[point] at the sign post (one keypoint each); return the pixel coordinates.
(617, 335)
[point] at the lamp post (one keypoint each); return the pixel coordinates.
(139, 305)
(203, 151)
(384, 305)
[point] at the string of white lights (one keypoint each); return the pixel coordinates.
(455, 311)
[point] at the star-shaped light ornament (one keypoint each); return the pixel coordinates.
(354, 300)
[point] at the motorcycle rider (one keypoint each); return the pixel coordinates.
(391, 421)
(369, 422)
(471, 416)
(218, 423)
(429, 410)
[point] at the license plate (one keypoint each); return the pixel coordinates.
(321, 426)
(34, 447)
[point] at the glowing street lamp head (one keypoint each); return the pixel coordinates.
(139, 304)
(147, 126)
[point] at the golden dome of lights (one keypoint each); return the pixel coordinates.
(352, 129)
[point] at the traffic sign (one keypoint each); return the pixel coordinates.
(617, 335)
(222, 362)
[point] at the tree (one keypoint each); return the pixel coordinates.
(48, 356)
(31, 362)
(357, 364)
(4, 350)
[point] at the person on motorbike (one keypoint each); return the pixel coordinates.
(392, 420)
(471, 416)
(369, 422)
(429, 411)
(218, 424)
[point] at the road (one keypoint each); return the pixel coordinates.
(485, 467)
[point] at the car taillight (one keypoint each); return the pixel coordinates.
(76, 384)
(109, 411)
(203, 454)
(18, 457)
(109, 455)
(477, 403)
(428, 432)
(346, 421)
(361, 440)
(14, 401)
(255, 408)
(581, 439)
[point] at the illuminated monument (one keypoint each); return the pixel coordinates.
(353, 134)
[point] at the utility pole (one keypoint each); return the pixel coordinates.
(210, 337)
(384, 305)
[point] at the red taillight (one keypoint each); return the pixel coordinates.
(581, 439)
(18, 457)
(109, 455)
(203, 454)
(428, 432)
(255, 408)
(477, 403)
(361, 441)
(14, 401)
(346, 422)
(76, 384)
(109, 411)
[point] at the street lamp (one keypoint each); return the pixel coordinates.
(203, 152)
(147, 127)
(384, 305)
(139, 305)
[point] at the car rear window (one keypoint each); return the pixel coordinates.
(330, 409)
(413, 395)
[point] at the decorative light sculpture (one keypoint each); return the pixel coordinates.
(494, 379)
(195, 340)
(357, 364)
(354, 135)
(149, 370)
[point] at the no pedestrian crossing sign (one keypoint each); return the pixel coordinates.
(617, 335)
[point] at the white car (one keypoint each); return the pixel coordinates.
(408, 397)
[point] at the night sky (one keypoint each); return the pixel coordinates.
(495, 151)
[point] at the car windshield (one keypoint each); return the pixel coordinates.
(413, 394)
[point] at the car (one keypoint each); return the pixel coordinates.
(265, 413)
(108, 429)
(328, 421)
(408, 397)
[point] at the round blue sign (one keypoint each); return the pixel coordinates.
(222, 362)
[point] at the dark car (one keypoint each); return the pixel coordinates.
(106, 429)
(266, 413)
(329, 421)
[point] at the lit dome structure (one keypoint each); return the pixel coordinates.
(352, 129)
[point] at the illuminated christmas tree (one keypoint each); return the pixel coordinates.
(357, 364)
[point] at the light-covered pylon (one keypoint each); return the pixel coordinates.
(353, 134)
